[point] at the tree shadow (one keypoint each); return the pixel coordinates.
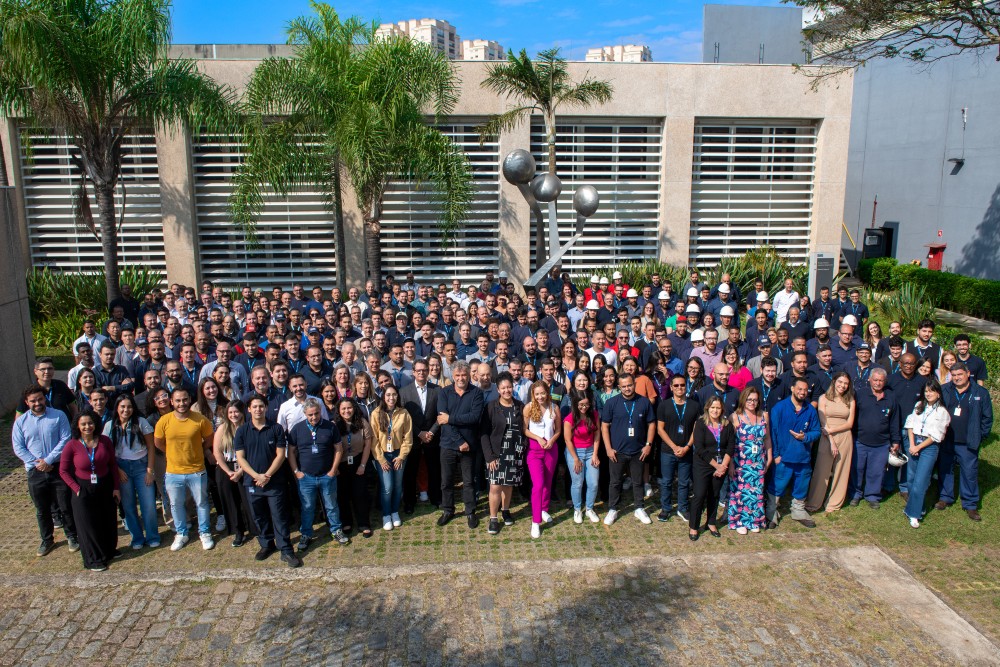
(981, 255)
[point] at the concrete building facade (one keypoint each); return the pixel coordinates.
(752, 35)
(482, 49)
(439, 34)
(692, 161)
(624, 53)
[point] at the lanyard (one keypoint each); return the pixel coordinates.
(296, 364)
(629, 411)
(91, 453)
(863, 375)
(680, 415)
(251, 361)
(893, 366)
(312, 431)
(718, 441)
(961, 396)
(766, 390)
(388, 431)
(192, 375)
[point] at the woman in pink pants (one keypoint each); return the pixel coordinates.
(540, 420)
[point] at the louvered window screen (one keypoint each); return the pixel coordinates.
(50, 181)
(621, 158)
(752, 185)
(411, 238)
(295, 234)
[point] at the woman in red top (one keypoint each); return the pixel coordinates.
(88, 467)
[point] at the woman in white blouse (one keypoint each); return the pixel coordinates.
(925, 428)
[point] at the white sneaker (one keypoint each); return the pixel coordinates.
(592, 515)
(387, 523)
(914, 523)
(546, 517)
(578, 516)
(179, 541)
(423, 497)
(610, 518)
(536, 531)
(220, 524)
(641, 515)
(207, 543)
(396, 521)
(649, 491)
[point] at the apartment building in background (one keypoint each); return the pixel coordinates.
(482, 49)
(625, 53)
(439, 34)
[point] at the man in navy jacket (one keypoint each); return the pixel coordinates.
(878, 427)
(460, 409)
(794, 428)
(971, 421)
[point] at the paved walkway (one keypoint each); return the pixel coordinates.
(804, 607)
(984, 328)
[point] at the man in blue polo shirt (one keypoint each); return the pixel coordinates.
(878, 432)
(794, 427)
(314, 455)
(971, 422)
(628, 425)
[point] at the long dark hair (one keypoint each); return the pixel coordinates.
(922, 404)
(357, 422)
(699, 380)
(131, 428)
(586, 419)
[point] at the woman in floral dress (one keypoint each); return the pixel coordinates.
(750, 462)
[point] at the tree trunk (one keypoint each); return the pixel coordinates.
(338, 230)
(373, 247)
(105, 195)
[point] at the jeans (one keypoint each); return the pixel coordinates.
(968, 478)
(327, 488)
(918, 474)
(177, 485)
(796, 475)
(589, 474)
(670, 467)
(137, 496)
(390, 484)
(869, 469)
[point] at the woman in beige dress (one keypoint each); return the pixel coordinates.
(836, 446)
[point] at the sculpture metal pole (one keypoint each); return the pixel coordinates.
(519, 169)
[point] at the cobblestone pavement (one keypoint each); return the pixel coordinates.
(793, 608)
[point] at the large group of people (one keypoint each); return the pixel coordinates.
(284, 409)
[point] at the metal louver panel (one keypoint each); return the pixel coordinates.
(411, 239)
(752, 185)
(50, 181)
(621, 158)
(295, 233)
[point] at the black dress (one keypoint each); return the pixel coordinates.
(503, 440)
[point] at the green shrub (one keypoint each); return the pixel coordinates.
(986, 348)
(908, 305)
(53, 293)
(765, 263)
(950, 291)
(57, 332)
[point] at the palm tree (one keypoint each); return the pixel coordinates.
(542, 85)
(96, 70)
(352, 105)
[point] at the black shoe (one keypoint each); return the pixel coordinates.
(874, 504)
(494, 526)
(408, 509)
(292, 560)
(855, 502)
(57, 522)
(347, 529)
(663, 516)
(116, 555)
(714, 532)
(240, 540)
(340, 538)
(508, 518)
(473, 521)
(772, 525)
(303, 545)
(694, 536)
(45, 548)
(808, 523)
(72, 544)
(445, 518)
(264, 553)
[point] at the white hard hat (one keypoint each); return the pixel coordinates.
(592, 305)
(692, 291)
(821, 323)
(724, 288)
(692, 308)
(762, 296)
(595, 279)
(503, 274)
(604, 280)
(617, 275)
(850, 319)
(727, 311)
(631, 294)
(697, 334)
(897, 459)
(663, 296)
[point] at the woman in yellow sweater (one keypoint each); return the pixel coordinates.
(390, 447)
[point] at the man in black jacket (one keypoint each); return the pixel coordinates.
(420, 399)
(460, 408)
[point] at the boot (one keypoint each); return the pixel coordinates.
(800, 514)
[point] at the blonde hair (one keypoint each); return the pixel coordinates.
(535, 410)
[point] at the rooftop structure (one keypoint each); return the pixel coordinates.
(625, 53)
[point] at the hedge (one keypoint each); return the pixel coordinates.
(877, 273)
(950, 291)
(986, 348)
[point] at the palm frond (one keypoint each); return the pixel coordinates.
(504, 122)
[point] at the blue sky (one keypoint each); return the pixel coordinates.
(671, 29)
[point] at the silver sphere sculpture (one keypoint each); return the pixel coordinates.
(586, 200)
(546, 187)
(519, 167)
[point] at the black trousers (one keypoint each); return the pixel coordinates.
(95, 515)
(450, 460)
(213, 488)
(271, 516)
(617, 469)
(706, 495)
(47, 489)
(352, 495)
(234, 508)
(431, 455)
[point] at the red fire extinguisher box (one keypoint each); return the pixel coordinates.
(935, 255)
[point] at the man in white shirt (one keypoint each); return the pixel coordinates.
(292, 411)
(92, 338)
(597, 347)
(784, 300)
(456, 294)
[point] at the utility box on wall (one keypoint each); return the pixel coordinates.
(935, 255)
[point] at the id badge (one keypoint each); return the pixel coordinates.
(680, 430)
(350, 460)
(631, 432)
(315, 449)
(251, 489)
(753, 450)
(388, 447)
(93, 478)
(958, 412)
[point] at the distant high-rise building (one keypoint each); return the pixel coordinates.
(627, 53)
(440, 35)
(482, 49)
